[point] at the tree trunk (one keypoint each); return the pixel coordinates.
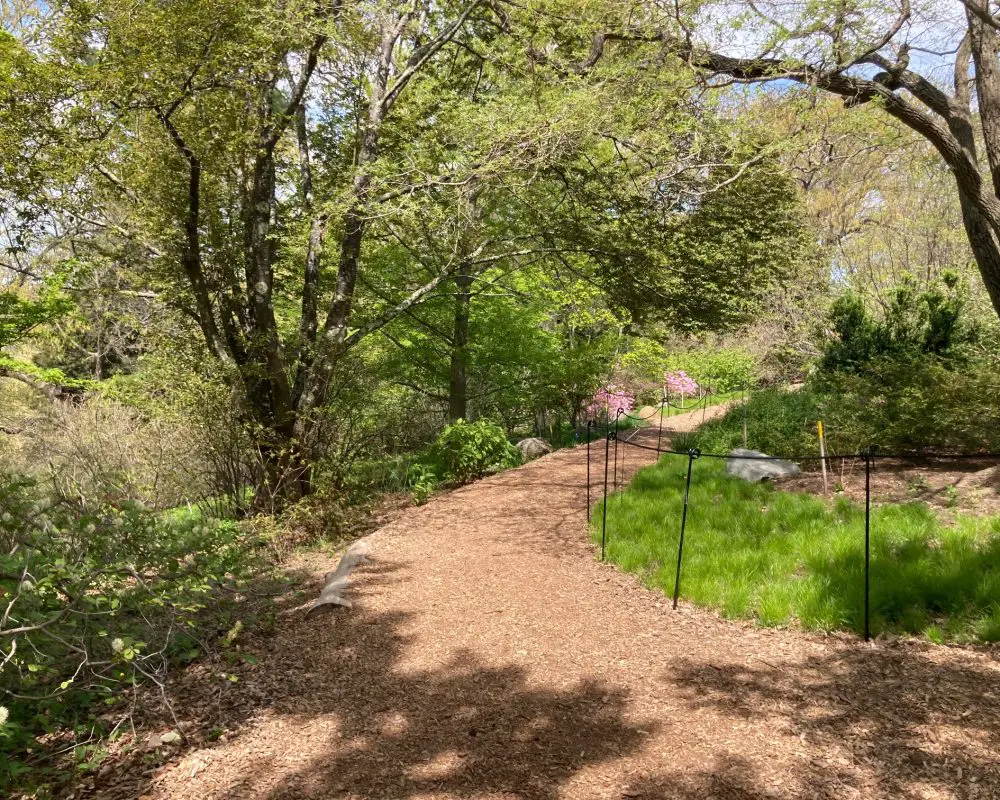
(265, 342)
(285, 473)
(458, 378)
(319, 367)
(985, 40)
(985, 247)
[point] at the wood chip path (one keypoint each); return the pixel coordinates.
(489, 655)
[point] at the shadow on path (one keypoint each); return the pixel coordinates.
(459, 727)
(904, 718)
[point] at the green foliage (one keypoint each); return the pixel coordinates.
(913, 405)
(739, 244)
(384, 475)
(19, 316)
(911, 380)
(722, 369)
(423, 482)
(777, 421)
(645, 358)
(52, 376)
(99, 597)
(29, 91)
(913, 326)
(909, 406)
(780, 558)
(468, 450)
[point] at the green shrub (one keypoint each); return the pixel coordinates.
(468, 450)
(906, 381)
(423, 482)
(913, 325)
(918, 405)
(913, 405)
(777, 421)
(724, 369)
(100, 596)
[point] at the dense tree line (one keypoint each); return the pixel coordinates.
(288, 183)
(261, 263)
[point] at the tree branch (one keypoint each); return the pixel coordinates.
(982, 14)
(413, 299)
(298, 93)
(423, 54)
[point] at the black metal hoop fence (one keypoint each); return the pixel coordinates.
(613, 434)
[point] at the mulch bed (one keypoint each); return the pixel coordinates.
(966, 485)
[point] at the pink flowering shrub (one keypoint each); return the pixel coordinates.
(679, 382)
(608, 400)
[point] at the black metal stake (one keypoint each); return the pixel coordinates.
(692, 455)
(604, 507)
(659, 428)
(618, 416)
(868, 560)
(590, 424)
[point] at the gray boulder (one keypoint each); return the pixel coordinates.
(755, 471)
(533, 448)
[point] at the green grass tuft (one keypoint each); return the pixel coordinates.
(780, 558)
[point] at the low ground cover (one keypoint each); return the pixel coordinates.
(780, 558)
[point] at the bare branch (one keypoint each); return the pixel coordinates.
(982, 13)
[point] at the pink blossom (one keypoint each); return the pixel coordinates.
(679, 382)
(608, 400)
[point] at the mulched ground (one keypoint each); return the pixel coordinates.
(947, 485)
(489, 655)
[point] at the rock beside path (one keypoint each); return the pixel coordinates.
(742, 463)
(533, 447)
(337, 582)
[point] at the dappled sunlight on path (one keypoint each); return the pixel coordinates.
(490, 655)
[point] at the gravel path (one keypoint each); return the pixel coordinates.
(489, 655)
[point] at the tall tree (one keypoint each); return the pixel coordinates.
(884, 54)
(205, 118)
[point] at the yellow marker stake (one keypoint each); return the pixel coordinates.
(822, 454)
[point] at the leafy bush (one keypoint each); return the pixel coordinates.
(778, 422)
(101, 448)
(468, 450)
(423, 482)
(323, 516)
(913, 325)
(909, 379)
(100, 596)
(900, 406)
(911, 406)
(723, 369)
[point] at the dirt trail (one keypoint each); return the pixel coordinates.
(489, 655)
